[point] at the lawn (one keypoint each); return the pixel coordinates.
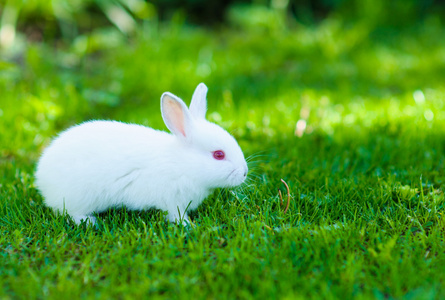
(365, 165)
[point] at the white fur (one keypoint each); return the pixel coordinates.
(102, 164)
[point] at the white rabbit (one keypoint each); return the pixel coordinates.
(97, 165)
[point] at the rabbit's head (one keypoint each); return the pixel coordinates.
(210, 153)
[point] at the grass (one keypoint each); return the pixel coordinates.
(366, 175)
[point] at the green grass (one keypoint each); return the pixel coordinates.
(366, 216)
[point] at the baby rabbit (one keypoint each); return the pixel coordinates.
(97, 165)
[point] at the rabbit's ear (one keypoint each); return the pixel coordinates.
(176, 115)
(198, 106)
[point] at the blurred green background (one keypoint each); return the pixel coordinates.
(63, 21)
(66, 61)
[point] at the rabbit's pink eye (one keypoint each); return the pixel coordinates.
(219, 155)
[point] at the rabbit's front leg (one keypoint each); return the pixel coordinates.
(178, 216)
(78, 219)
